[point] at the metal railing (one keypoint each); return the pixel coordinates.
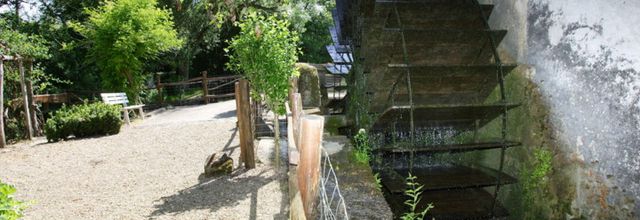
(332, 203)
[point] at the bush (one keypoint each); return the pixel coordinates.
(83, 121)
(10, 208)
(362, 147)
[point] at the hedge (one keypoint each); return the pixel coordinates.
(84, 120)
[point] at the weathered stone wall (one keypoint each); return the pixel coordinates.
(585, 62)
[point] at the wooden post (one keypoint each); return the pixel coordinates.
(309, 165)
(296, 113)
(159, 88)
(27, 113)
(32, 107)
(205, 87)
(2, 140)
(243, 112)
(293, 88)
(238, 116)
(32, 104)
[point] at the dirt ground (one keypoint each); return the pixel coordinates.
(151, 170)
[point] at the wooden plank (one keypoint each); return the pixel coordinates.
(244, 124)
(51, 98)
(430, 149)
(2, 136)
(180, 83)
(221, 96)
(472, 203)
(446, 177)
(309, 167)
(115, 98)
(442, 115)
(223, 77)
(27, 114)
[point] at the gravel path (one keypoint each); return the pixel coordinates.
(151, 170)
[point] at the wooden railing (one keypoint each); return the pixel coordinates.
(204, 81)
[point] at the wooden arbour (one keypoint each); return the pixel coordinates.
(30, 118)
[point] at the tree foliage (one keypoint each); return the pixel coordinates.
(14, 42)
(124, 34)
(266, 51)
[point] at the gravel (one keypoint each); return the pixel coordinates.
(151, 170)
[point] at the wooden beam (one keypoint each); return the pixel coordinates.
(32, 104)
(32, 107)
(2, 140)
(27, 113)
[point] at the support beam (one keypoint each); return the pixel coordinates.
(2, 137)
(27, 113)
(32, 104)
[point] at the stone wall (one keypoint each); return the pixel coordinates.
(584, 61)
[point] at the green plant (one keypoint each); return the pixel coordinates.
(123, 35)
(266, 51)
(414, 191)
(534, 178)
(378, 181)
(83, 121)
(10, 208)
(362, 147)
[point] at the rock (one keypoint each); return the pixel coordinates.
(309, 86)
(222, 166)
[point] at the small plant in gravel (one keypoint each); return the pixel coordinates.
(84, 120)
(362, 147)
(10, 208)
(414, 192)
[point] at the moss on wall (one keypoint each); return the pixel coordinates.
(309, 85)
(543, 191)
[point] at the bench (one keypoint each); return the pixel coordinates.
(121, 99)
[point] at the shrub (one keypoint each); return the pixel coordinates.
(83, 121)
(362, 147)
(10, 208)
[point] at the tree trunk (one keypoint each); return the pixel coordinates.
(276, 134)
(2, 140)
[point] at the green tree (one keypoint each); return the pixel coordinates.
(13, 42)
(266, 51)
(123, 35)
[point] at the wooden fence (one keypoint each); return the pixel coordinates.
(305, 143)
(209, 92)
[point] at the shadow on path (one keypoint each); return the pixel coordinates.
(214, 194)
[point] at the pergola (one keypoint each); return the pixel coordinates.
(27, 95)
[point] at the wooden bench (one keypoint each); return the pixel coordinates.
(121, 99)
